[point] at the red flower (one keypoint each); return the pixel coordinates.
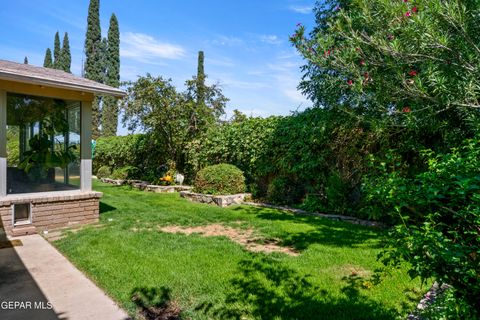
(405, 0)
(412, 73)
(406, 109)
(327, 53)
(362, 62)
(366, 75)
(408, 14)
(414, 9)
(350, 82)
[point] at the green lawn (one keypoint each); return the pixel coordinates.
(214, 277)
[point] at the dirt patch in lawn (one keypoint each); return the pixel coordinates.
(245, 237)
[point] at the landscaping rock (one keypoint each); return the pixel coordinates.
(221, 201)
(166, 189)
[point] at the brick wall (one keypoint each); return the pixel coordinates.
(52, 211)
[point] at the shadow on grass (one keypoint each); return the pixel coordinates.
(155, 304)
(267, 289)
(327, 232)
(104, 208)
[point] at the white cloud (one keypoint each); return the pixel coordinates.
(228, 41)
(145, 48)
(302, 9)
(270, 39)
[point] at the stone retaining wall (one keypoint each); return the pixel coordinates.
(221, 201)
(51, 211)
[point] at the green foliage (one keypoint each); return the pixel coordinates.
(439, 210)
(200, 85)
(47, 62)
(285, 190)
(110, 104)
(93, 39)
(104, 172)
(140, 151)
(172, 118)
(123, 173)
(57, 64)
(13, 147)
(220, 179)
(65, 60)
(239, 143)
(448, 306)
(405, 65)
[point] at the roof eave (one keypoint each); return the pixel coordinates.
(58, 84)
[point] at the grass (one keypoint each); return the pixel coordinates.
(213, 277)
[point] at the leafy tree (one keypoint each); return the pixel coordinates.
(47, 62)
(25, 60)
(154, 105)
(57, 64)
(65, 55)
(94, 70)
(110, 106)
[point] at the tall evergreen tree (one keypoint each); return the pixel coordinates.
(47, 62)
(65, 55)
(200, 79)
(93, 67)
(110, 106)
(25, 60)
(56, 52)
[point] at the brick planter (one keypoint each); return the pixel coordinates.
(221, 201)
(50, 211)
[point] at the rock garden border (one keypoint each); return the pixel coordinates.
(219, 200)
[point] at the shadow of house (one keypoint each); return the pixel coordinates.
(20, 296)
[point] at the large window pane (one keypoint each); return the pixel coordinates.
(43, 144)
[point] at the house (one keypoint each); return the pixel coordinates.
(45, 148)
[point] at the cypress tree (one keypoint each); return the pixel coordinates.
(200, 79)
(56, 52)
(93, 68)
(65, 55)
(47, 62)
(25, 60)
(110, 106)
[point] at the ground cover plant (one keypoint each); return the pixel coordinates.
(205, 276)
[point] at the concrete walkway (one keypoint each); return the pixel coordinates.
(37, 275)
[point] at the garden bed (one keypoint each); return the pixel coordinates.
(219, 200)
(146, 186)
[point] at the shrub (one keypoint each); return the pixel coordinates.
(124, 173)
(439, 214)
(220, 179)
(285, 190)
(104, 172)
(138, 150)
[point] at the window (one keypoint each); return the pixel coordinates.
(43, 144)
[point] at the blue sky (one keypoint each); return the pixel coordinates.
(245, 42)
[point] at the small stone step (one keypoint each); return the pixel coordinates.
(23, 230)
